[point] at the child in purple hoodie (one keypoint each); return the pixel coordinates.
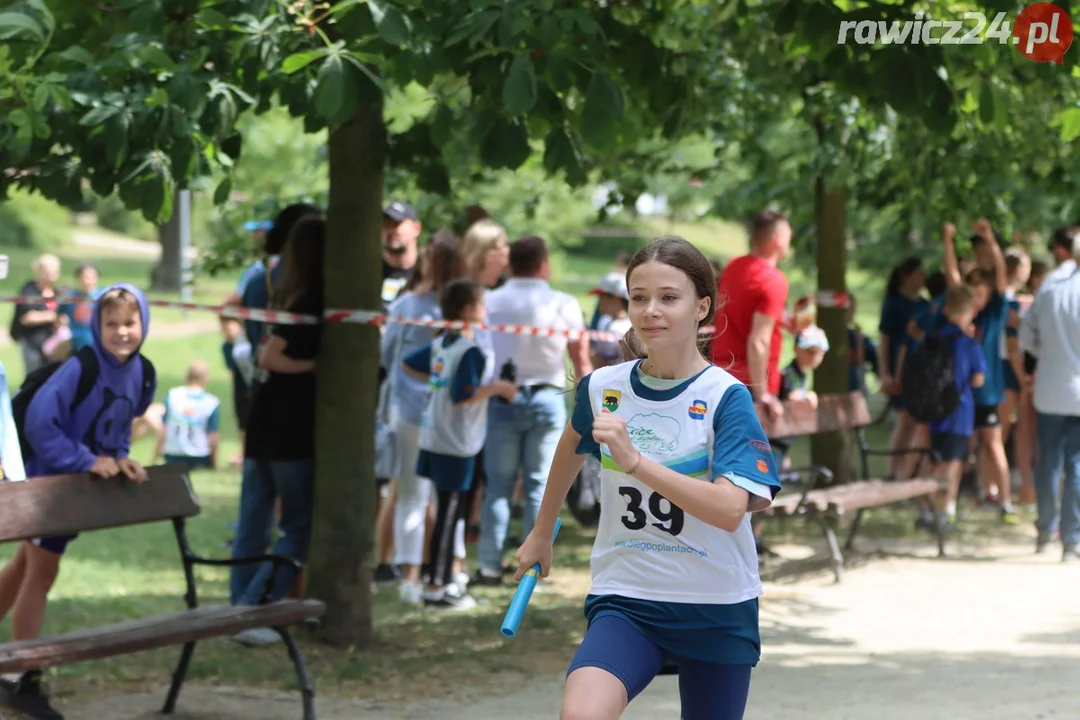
(93, 436)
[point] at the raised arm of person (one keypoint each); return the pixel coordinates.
(1001, 280)
(950, 265)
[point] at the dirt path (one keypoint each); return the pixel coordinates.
(989, 635)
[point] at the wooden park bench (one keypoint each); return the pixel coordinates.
(816, 497)
(67, 504)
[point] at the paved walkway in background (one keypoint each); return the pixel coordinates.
(989, 637)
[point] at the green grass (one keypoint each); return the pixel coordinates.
(110, 576)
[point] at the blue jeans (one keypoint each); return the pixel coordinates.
(263, 482)
(1059, 445)
(521, 435)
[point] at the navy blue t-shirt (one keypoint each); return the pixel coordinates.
(968, 361)
(896, 312)
(990, 334)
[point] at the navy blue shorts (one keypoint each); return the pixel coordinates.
(708, 691)
(1012, 384)
(193, 462)
(950, 446)
(448, 473)
(56, 545)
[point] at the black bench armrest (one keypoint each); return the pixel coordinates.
(277, 560)
(811, 476)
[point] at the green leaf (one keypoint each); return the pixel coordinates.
(98, 115)
(222, 192)
(603, 109)
(18, 117)
(186, 91)
(986, 102)
(300, 60)
(506, 145)
(116, 139)
(157, 58)
(519, 89)
(1069, 122)
(158, 98)
(232, 145)
(392, 24)
(360, 64)
(14, 24)
(332, 88)
(41, 96)
(212, 19)
(77, 54)
(558, 151)
(474, 26)
(442, 126)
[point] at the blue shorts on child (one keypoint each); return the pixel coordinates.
(947, 447)
(448, 473)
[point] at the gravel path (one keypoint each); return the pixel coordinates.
(990, 635)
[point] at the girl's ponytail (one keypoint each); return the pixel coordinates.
(631, 348)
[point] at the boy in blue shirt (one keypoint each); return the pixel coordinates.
(453, 428)
(950, 436)
(989, 281)
(191, 421)
(79, 309)
(93, 436)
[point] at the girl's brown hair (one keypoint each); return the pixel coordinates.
(302, 260)
(681, 255)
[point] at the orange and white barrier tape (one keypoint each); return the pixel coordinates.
(361, 317)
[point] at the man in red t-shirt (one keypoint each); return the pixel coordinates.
(751, 296)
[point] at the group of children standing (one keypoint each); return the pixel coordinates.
(972, 325)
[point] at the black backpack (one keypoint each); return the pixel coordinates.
(88, 375)
(929, 379)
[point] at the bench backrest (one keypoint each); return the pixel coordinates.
(68, 504)
(834, 412)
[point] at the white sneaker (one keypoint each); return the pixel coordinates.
(257, 637)
(461, 580)
(411, 594)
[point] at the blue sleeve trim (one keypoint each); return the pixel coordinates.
(582, 419)
(740, 446)
(419, 360)
(214, 420)
(467, 377)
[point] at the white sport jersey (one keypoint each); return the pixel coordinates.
(190, 417)
(645, 547)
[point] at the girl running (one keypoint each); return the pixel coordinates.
(684, 460)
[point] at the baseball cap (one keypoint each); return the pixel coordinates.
(399, 211)
(253, 225)
(612, 284)
(812, 338)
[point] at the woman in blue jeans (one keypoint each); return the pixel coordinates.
(279, 449)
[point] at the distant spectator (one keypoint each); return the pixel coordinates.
(810, 348)
(903, 302)
(36, 319)
(486, 249)
(522, 434)
(279, 452)
(191, 419)
(862, 352)
(78, 307)
(752, 297)
(1061, 250)
(1051, 341)
(400, 239)
(614, 308)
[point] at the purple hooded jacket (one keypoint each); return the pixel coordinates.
(69, 441)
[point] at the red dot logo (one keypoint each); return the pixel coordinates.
(1043, 32)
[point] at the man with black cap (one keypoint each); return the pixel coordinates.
(400, 240)
(400, 236)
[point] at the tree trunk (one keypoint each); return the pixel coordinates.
(343, 527)
(166, 276)
(832, 449)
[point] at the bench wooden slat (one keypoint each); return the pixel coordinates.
(834, 412)
(153, 632)
(855, 496)
(872, 493)
(67, 504)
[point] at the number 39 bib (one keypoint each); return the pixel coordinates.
(646, 547)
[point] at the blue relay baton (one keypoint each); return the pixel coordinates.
(524, 591)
